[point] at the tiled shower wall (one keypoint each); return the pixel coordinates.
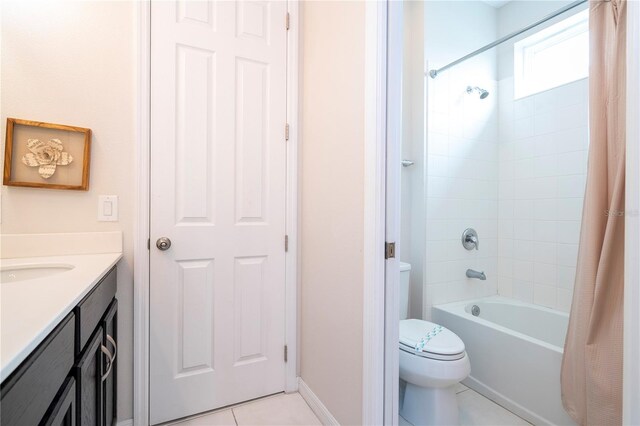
(462, 188)
(514, 170)
(461, 156)
(543, 141)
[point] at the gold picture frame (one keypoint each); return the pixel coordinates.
(46, 155)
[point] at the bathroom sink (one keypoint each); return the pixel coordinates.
(15, 273)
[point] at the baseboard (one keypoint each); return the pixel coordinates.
(316, 405)
(505, 402)
(128, 422)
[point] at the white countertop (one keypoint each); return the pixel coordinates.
(31, 309)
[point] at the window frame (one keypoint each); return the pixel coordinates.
(524, 52)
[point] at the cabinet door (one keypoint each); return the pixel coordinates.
(91, 309)
(89, 371)
(27, 394)
(63, 409)
(110, 327)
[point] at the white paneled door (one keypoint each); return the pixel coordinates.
(218, 113)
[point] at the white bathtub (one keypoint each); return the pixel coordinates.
(515, 350)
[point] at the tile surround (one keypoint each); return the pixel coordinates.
(543, 142)
(519, 182)
(462, 189)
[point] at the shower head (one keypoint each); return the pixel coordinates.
(483, 93)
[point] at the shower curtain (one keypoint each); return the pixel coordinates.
(592, 364)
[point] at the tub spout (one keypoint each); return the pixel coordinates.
(475, 274)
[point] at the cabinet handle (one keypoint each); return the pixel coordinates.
(109, 360)
(115, 347)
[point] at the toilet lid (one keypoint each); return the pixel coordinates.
(424, 338)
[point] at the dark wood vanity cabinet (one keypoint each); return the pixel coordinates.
(63, 410)
(96, 359)
(110, 336)
(70, 378)
(27, 394)
(88, 372)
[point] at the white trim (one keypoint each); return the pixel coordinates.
(505, 402)
(318, 408)
(374, 214)
(141, 232)
(631, 372)
(631, 410)
(526, 81)
(128, 422)
(291, 257)
(393, 111)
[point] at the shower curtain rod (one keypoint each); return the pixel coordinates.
(434, 73)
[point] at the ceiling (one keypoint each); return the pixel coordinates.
(496, 3)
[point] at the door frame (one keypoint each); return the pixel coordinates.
(391, 25)
(631, 367)
(383, 70)
(393, 109)
(375, 127)
(141, 233)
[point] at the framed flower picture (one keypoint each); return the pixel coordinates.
(45, 155)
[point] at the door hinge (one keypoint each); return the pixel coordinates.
(286, 243)
(286, 353)
(389, 250)
(288, 21)
(148, 243)
(286, 132)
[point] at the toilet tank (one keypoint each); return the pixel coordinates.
(405, 273)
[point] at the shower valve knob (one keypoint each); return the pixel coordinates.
(470, 239)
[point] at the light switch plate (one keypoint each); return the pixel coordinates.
(108, 208)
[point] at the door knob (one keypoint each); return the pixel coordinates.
(163, 243)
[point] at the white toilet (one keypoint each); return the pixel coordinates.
(432, 361)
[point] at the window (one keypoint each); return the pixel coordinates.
(552, 57)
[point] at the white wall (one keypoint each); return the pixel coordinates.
(631, 372)
(518, 14)
(73, 63)
(413, 141)
(543, 161)
(513, 170)
(455, 28)
(332, 204)
(543, 165)
(462, 152)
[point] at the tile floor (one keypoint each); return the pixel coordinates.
(280, 410)
(292, 410)
(476, 410)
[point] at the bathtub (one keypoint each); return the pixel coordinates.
(515, 349)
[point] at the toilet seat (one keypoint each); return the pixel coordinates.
(428, 340)
(430, 355)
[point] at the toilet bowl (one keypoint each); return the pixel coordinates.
(432, 361)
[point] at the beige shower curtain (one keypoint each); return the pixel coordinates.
(592, 364)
